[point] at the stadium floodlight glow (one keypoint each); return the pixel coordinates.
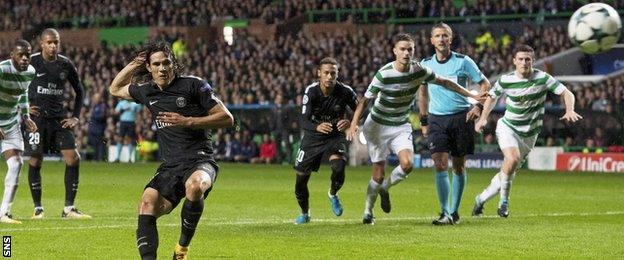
(228, 34)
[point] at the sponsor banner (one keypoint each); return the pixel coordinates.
(590, 162)
(544, 158)
(475, 161)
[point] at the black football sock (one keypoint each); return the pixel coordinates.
(34, 181)
(190, 215)
(338, 175)
(147, 237)
(302, 193)
(71, 184)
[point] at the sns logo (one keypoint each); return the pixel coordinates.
(574, 162)
(6, 246)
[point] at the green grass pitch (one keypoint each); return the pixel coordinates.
(250, 214)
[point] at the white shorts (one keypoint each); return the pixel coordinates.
(13, 139)
(381, 139)
(508, 138)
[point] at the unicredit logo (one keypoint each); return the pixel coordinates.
(602, 164)
(574, 162)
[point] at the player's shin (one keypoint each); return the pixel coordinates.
(10, 183)
(443, 187)
(34, 181)
(459, 181)
(506, 180)
(71, 184)
(491, 190)
(371, 196)
(147, 237)
(301, 192)
(190, 215)
(397, 175)
(338, 175)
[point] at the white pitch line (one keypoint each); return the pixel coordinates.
(327, 220)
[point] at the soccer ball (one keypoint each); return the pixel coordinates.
(595, 27)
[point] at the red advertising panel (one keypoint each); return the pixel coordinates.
(590, 162)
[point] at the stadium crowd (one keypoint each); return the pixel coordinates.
(17, 14)
(274, 72)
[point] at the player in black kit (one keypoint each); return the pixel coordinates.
(323, 112)
(183, 109)
(54, 129)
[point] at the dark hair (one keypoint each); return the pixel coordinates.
(142, 74)
(441, 26)
(402, 37)
(523, 48)
(49, 31)
(328, 60)
(21, 43)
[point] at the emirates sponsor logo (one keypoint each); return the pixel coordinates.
(602, 164)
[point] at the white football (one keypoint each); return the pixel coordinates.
(595, 28)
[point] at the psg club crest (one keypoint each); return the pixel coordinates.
(63, 75)
(181, 102)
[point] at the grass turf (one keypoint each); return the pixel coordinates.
(250, 212)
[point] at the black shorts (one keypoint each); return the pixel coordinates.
(127, 129)
(50, 137)
(312, 151)
(451, 134)
(170, 178)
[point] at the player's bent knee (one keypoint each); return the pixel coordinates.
(195, 187)
(338, 165)
(440, 165)
(514, 159)
(35, 160)
(147, 206)
(72, 158)
(407, 167)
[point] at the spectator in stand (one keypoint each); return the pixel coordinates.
(280, 122)
(550, 141)
(232, 148)
(489, 144)
(602, 102)
(219, 146)
(97, 126)
(249, 149)
(268, 151)
(590, 146)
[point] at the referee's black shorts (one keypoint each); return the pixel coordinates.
(451, 134)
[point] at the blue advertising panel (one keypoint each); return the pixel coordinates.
(610, 61)
(476, 161)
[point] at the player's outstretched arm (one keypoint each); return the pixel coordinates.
(475, 112)
(569, 116)
(449, 84)
(218, 117)
(121, 82)
(489, 104)
(359, 110)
